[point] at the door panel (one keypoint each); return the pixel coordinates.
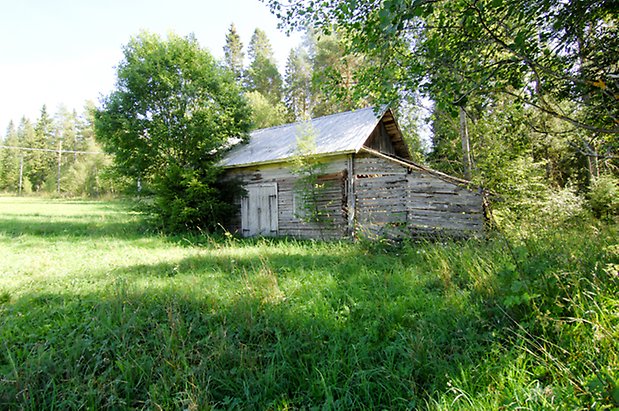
(259, 210)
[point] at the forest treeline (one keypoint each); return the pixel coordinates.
(533, 158)
(62, 156)
(316, 82)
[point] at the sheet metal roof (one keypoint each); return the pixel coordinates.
(337, 133)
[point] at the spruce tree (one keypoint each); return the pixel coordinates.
(233, 53)
(263, 75)
(39, 163)
(9, 160)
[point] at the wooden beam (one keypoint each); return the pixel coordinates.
(351, 203)
(414, 166)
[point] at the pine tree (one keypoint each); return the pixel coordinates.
(333, 75)
(233, 53)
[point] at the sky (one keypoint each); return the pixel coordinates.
(63, 52)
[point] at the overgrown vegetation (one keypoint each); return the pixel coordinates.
(521, 94)
(172, 115)
(141, 320)
(310, 204)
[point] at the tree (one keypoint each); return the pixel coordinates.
(9, 160)
(539, 51)
(233, 52)
(38, 164)
(298, 84)
(319, 78)
(262, 74)
(26, 137)
(264, 113)
(173, 112)
(260, 46)
(333, 78)
(309, 188)
(555, 57)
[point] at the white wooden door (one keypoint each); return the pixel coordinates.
(259, 210)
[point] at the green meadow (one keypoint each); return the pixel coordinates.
(99, 311)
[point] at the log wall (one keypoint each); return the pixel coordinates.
(383, 199)
(393, 201)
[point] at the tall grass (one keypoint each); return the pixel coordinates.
(96, 311)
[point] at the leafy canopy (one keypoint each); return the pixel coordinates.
(173, 105)
(170, 118)
(540, 52)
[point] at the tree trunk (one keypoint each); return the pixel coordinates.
(466, 146)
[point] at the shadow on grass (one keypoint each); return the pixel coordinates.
(269, 331)
(287, 324)
(16, 227)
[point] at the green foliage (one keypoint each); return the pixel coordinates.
(192, 200)
(38, 165)
(263, 75)
(89, 177)
(333, 71)
(172, 114)
(9, 161)
(172, 106)
(604, 196)
(195, 322)
(233, 53)
(538, 73)
(320, 78)
(309, 187)
(83, 170)
(298, 84)
(264, 113)
(541, 52)
(562, 206)
(410, 122)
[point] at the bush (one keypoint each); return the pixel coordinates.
(604, 197)
(192, 200)
(562, 205)
(545, 208)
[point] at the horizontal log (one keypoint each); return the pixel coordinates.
(382, 218)
(382, 208)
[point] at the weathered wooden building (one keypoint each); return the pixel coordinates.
(367, 185)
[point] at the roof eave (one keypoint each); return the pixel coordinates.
(288, 159)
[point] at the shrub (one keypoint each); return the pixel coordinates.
(562, 205)
(604, 197)
(192, 200)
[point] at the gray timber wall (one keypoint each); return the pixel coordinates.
(333, 198)
(391, 201)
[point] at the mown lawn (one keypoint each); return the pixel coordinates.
(97, 311)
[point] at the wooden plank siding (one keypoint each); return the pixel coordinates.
(366, 195)
(395, 201)
(333, 198)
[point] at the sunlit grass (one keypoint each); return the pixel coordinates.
(98, 311)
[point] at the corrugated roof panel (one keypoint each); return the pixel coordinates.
(337, 133)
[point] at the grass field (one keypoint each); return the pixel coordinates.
(97, 311)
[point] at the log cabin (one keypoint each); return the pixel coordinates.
(367, 183)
